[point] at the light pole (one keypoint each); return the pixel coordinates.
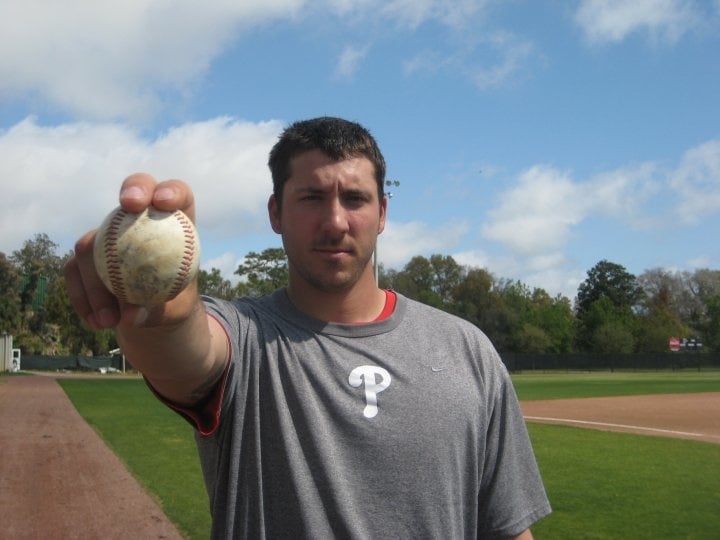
(376, 264)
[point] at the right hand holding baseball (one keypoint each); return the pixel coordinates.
(93, 302)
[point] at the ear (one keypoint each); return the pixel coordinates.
(383, 214)
(274, 214)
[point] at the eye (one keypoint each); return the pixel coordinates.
(355, 198)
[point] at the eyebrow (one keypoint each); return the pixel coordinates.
(318, 190)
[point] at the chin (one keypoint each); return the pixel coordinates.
(333, 283)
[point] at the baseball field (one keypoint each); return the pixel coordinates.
(623, 455)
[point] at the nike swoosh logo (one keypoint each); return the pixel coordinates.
(436, 369)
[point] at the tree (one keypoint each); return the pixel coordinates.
(662, 287)
(430, 281)
(416, 281)
(555, 317)
(213, 284)
(612, 337)
(677, 304)
(446, 275)
(711, 330)
(532, 339)
(70, 335)
(513, 321)
(385, 277)
(10, 312)
(610, 280)
(703, 286)
(614, 311)
(536, 322)
(658, 318)
(655, 326)
(263, 272)
(39, 267)
(608, 295)
(704, 283)
(39, 254)
(602, 322)
(472, 298)
(479, 298)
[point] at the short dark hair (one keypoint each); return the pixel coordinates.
(337, 138)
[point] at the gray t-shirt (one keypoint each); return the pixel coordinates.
(404, 428)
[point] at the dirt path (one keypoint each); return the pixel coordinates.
(58, 479)
(685, 416)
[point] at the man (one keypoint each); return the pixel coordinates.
(331, 408)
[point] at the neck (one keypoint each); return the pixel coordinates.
(362, 302)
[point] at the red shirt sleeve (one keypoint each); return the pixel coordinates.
(205, 416)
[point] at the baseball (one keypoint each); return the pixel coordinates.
(146, 258)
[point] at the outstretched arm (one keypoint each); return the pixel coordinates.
(176, 345)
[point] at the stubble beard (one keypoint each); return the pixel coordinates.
(333, 278)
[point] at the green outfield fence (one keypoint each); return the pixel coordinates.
(517, 362)
(40, 362)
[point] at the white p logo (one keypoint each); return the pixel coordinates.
(373, 387)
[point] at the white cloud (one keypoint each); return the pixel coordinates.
(537, 217)
(703, 261)
(349, 61)
(402, 241)
(556, 280)
(62, 180)
(106, 60)
(472, 259)
(488, 61)
(548, 271)
(126, 60)
(538, 213)
(697, 182)
(620, 193)
(611, 21)
(513, 55)
(413, 13)
(227, 263)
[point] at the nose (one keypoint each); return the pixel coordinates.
(335, 222)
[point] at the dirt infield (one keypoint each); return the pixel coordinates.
(685, 416)
(58, 479)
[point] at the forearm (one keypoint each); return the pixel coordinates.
(178, 348)
(183, 359)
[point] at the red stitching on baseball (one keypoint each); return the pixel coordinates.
(189, 253)
(112, 257)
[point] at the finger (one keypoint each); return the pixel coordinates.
(173, 195)
(136, 192)
(88, 295)
(76, 292)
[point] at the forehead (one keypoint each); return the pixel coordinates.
(318, 169)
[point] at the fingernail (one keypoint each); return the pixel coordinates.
(132, 192)
(164, 194)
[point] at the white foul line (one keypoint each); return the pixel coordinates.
(622, 426)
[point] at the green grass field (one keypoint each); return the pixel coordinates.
(616, 486)
(600, 384)
(155, 443)
(601, 485)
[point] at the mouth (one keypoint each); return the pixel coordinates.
(333, 252)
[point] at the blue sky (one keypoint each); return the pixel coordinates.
(530, 138)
